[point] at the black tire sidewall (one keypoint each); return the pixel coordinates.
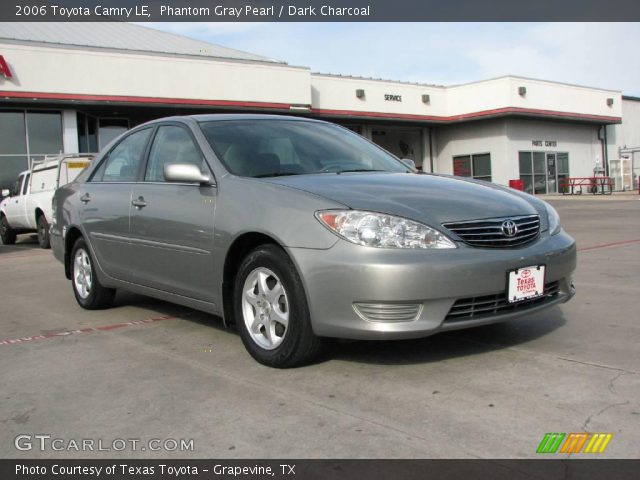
(8, 236)
(43, 238)
(288, 353)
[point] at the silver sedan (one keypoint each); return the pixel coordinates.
(298, 231)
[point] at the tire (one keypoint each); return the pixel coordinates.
(267, 291)
(7, 234)
(89, 293)
(43, 232)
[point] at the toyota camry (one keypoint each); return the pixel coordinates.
(297, 231)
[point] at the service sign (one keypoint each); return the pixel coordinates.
(525, 283)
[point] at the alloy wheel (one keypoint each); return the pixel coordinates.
(82, 277)
(265, 308)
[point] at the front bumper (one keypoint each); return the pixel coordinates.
(337, 279)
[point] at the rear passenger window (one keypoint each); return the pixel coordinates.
(171, 145)
(124, 160)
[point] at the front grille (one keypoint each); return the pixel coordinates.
(388, 312)
(489, 233)
(475, 308)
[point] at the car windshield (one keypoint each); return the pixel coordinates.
(270, 148)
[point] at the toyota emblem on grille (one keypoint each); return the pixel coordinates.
(509, 228)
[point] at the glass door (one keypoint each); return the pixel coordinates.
(539, 173)
(626, 172)
(543, 172)
(635, 170)
(552, 181)
(403, 143)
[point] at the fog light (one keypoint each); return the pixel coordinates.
(388, 312)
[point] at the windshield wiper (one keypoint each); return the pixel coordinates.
(275, 174)
(359, 170)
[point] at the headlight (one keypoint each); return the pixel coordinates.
(382, 231)
(553, 219)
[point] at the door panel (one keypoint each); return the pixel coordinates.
(106, 204)
(172, 223)
(16, 208)
(105, 217)
(172, 238)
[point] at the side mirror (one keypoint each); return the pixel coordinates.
(5, 192)
(185, 173)
(409, 163)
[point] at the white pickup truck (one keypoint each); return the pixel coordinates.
(28, 208)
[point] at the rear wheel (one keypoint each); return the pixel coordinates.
(7, 234)
(89, 293)
(43, 232)
(271, 310)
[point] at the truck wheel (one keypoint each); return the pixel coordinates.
(43, 232)
(7, 234)
(271, 310)
(89, 293)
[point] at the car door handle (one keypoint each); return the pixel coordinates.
(86, 198)
(139, 203)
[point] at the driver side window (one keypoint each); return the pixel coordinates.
(17, 185)
(171, 145)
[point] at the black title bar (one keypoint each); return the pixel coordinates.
(123, 469)
(318, 10)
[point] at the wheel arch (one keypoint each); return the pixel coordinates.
(69, 240)
(236, 253)
(39, 212)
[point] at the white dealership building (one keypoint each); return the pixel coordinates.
(74, 87)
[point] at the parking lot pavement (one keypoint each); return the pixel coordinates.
(147, 369)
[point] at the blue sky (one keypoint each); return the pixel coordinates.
(604, 55)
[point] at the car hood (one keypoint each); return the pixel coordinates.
(427, 198)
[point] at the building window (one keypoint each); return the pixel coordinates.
(109, 129)
(543, 172)
(26, 135)
(477, 166)
(95, 133)
(355, 128)
(87, 133)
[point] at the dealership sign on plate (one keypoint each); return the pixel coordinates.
(526, 283)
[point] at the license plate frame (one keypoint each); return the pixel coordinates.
(520, 288)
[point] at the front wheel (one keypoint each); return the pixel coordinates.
(88, 290)
(271, 310)
(7, 234)
(43, 232)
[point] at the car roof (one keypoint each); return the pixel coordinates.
(222, 117)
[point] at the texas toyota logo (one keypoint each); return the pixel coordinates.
(509, 228)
